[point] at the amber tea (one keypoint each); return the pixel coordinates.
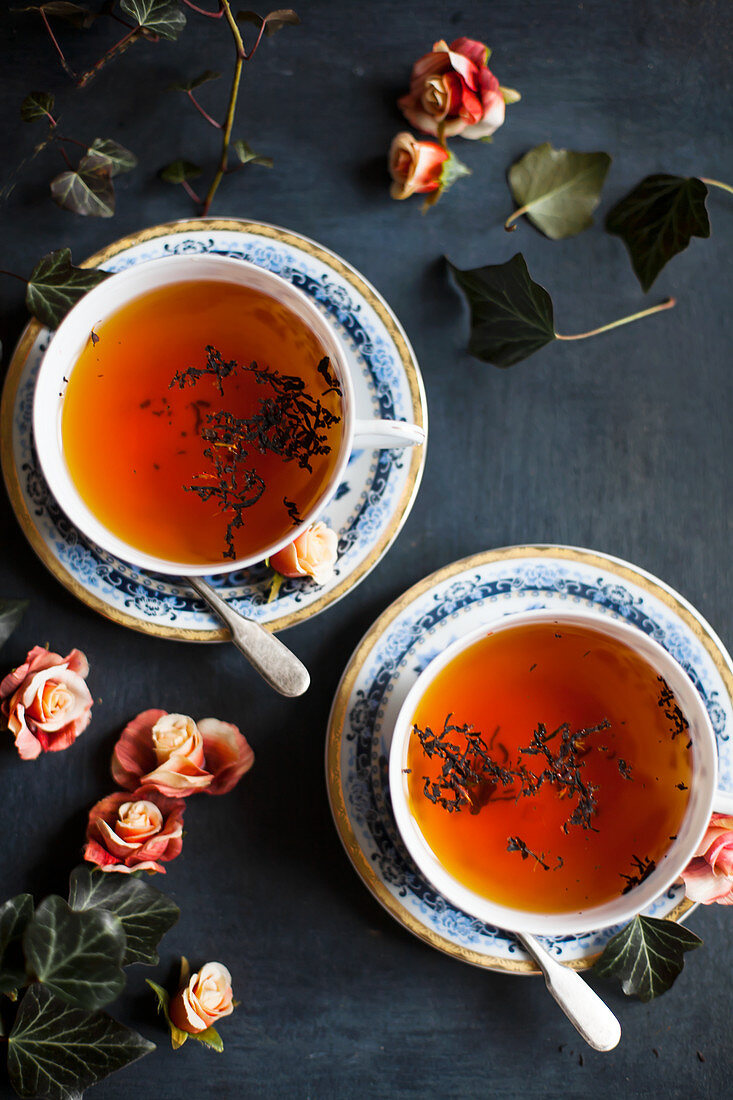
(549, 767)
(201, 422)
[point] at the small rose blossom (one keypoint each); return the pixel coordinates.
(708, 877)
(203, 1000)
(313, 554)
(134, 833)
(452, 91)
(178, 757)
(415, 166)
(45, 702)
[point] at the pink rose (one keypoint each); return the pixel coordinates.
(178, 757)
(132, 833)
(204, 1000)
(452, 91)
(416, 167)
(313, 554)
(45, 701)
(709, 876)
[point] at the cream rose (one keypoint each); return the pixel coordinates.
(46, 702)
(312, 554)
(134, 834)
(204, 1000)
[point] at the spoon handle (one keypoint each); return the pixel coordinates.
(276, 664)
(588, 1014)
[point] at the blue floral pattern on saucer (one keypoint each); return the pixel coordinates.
(492, 586)
(369, 506)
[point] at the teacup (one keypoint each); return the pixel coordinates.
(120, 289)
(622, 908)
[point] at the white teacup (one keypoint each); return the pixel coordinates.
(699, 808)
(114, 293)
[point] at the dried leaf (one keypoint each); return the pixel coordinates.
(179, 170)
(657, 220)
(558, 189)
(75, 14)
(88, 190)
(161, 17)
(36, 105)
(274, 21)
(194, 82)
(56, 285)
(105, 153)
(247, 154)
(646, 956)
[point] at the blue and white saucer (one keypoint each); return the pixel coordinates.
(421, 624)
(369, 508)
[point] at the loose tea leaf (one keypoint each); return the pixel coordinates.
(56, 285)
(558, 189)
(657, 220)
(11, 612)
(88, 190)
(14, 917)
(511, 315)
(36, 105)
(161, 17)
(145, 913)
(646, 956)
(179, 170)
(77, 955)
(104, 152)
(56, 1051)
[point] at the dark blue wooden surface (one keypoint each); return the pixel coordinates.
(621, 444)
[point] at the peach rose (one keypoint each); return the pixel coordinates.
(452, 91)
(128, 834)
(178, 757)
(708, 877)
(313, 554)
(45, 701)
(422, 168)
(204, 1000)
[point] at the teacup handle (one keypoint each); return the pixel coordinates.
(387, 434)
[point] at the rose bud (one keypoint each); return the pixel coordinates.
(708, 877)
(313, 554)
(421, 167)
(45, 701)
(128, 834)
(452, 91)
(203, 1000)
(178, 757)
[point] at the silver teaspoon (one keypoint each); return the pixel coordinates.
(588, 1014)
(275, 663)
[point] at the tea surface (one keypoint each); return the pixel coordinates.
(521, 851)
(133, 443)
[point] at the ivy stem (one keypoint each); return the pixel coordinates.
(202, 112)
(114, 51)
(12, 275)
(66, 67)
(716, 183)
(190, 192)
(211, 14)
(513, 217)
(668, 303)
(229, 121)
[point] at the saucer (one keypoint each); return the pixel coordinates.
(417, 627)
(370, 505)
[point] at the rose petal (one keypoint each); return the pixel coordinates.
(703, 885)
(228, 754)
(133, 755)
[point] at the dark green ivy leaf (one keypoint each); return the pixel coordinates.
(558, 189)
(36, 105)
(56, 1051)
(274, 21)
(179, 170)
(247, 154)
(75, 14)
(11, 612)
(56, 285)
(161, 17)
(511, 316)
(88, 190)
(194, 81)
(646, 956)
(146, 914)
(14, 917)
(77, 955)
(105, 153)
(656, 221)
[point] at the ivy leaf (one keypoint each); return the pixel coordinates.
(88, 190)
(179, 170)
(161, 17)
(558, 189)
(145, 913)
(75, 14)
(194, 81)
(56, 285)
(247, 155)
(11, 612)
(77, 955)
(657, 220)
(511, 316)
(273, 22)
(105, 153)
(36, 105)
(14, 917)
(646, 955)
(56, 1051)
